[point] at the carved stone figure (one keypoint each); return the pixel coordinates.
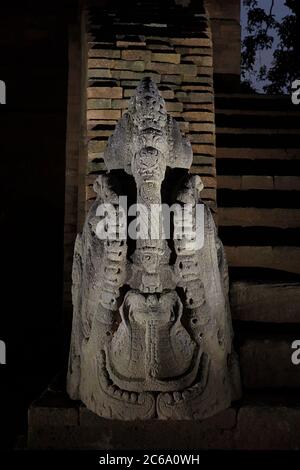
(151, 335)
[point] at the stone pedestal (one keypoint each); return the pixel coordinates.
(56, 422)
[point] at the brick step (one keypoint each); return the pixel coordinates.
(159, 30)
(255, 103)
(257, 120)
(272, 302)
(259, 217)
(260, 141)
(259, 113)
(235, 131)
(284, 258)
(260, 421)
(259, 167)
(267, 362)
(260, 182)
(233, 235)
(144, 13)
(253, 153)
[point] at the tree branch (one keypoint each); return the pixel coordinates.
(270, 14)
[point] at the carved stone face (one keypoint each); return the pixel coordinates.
(149, 260)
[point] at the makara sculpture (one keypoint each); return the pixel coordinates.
(151, 334)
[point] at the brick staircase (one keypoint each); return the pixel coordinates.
(258, 163)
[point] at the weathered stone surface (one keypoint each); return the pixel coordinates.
(198, 116)
(204, 149)
(254, 425)
(203, 61)
(167, 94)
(134, 65)
(259, 153)
(268, 427)
(136, 76)
(89, 431)
(204, 127)
(209, 194)
(187, 97)
(185, 51)
(198, 42)
(46, 416)
(121, 43)
(103, 114)
(209, 182)
(102, 73)
(172, 69)
(184, 126)
(95, 161)
(203, 169)
(93, 123)
(266, 302)
(136, 55)
(246, 182)
(104, 92)
(259, 217)
(285, 258)
(267, 363)
(129, 92)
(107, 53)
(174, 106)
(203, 160)
(200, 107)
(104, 103)
(119, 104)
(287, 183)
(90, 193)
(177, 79)
(166, 57)
(96, 146)
(203, 138)
(199, 88)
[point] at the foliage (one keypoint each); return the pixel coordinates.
(262, 29)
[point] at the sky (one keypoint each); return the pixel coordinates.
(280, 10)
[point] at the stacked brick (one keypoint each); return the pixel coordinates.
(258, 163)
(258, 154)
(177, 57)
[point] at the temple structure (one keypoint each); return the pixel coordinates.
(246, 153)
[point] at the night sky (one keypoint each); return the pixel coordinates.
(265, 57)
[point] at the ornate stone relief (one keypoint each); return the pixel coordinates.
(151, 335)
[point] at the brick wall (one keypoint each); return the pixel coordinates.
(179, 60)
(113, 56)
(226, 34)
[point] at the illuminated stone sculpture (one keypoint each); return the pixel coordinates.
(151, 335)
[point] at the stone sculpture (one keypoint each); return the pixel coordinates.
(151, 334)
